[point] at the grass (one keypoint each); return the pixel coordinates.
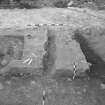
(29, 4)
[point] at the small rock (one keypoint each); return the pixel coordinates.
(69, 79)
(8, 82)
(102, 86)
(84, 90)
(33, 82)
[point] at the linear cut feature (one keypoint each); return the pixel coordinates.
(50, 47)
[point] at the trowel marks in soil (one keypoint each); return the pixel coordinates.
(98, 65)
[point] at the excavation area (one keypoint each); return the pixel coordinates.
(52, 56)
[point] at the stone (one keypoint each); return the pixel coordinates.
(102, 86)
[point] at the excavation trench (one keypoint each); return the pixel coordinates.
(97, 69)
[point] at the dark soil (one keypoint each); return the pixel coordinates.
(97, 69)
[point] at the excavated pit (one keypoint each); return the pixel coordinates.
(97, 68)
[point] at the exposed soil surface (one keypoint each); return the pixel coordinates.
(23, 88)
(19, 86)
